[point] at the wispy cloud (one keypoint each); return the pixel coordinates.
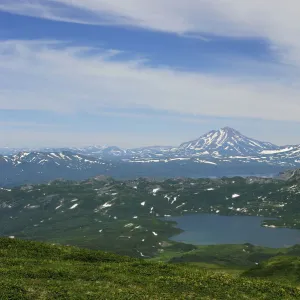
(161, 116)
(51, 75)
(275, 21)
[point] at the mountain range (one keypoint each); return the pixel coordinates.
(223, 152)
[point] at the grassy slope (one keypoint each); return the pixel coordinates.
(32, 270)
(237, 259)
(244, 255)
(280, 268)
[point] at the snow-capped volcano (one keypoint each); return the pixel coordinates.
(227, 141)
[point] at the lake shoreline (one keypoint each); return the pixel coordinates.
(265, 232)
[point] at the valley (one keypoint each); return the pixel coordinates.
(131, 217)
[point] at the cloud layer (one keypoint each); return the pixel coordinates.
(50, 75)
(275, 21)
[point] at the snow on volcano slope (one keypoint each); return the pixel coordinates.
(227, 141)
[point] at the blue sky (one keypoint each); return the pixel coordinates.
(136, 73)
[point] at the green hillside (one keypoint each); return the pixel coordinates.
(132, 217)
(229, 256)
(33, 270)
(283, 268)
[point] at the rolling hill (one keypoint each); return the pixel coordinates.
(31, 270)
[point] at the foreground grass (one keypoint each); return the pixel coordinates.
(32, 270)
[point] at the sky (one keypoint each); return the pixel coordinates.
(147, 72)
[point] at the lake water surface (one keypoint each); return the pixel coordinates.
(205, 229)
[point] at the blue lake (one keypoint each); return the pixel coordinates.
(205, 229)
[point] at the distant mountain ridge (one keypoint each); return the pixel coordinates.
(223, 152)
(35, 167)
(224, 142)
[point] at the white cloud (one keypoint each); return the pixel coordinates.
(275, 21)
(49, 75)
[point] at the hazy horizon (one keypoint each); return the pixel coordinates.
(134, 146)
